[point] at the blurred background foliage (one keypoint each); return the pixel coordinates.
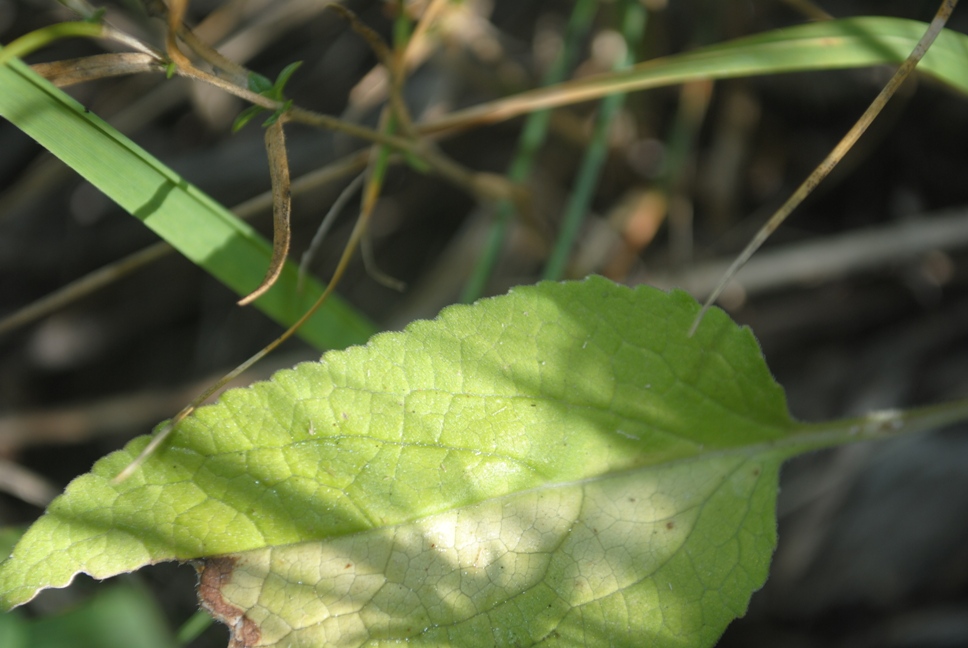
(854, 309)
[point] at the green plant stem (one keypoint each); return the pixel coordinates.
(193, 628)
(875, 426)
(34, 40)
(532, 137)
(833, 45)
(693, 102)
(633, 26)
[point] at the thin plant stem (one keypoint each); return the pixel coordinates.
(633, 26)
(423, 24)
(84, 286)
(835, 156)
(694, 100)
(327, 224)
(369, 201)
(281, 208)
(532, 137)
(193, 628)
(93, 281)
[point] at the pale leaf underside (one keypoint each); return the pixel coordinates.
(562, 465)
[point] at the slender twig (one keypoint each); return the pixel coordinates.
(834, 157)
(373, 269)
(83, 286)
(327, 224)
(26, 484)
(105, 275)
(238, 74)
(423, 24)
(369, 200)
(830, 257)
(68, 72)
(388, 59)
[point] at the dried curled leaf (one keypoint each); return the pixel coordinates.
(99, 66)
(281, 209)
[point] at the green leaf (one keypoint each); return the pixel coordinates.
(245, 117)
(121, 616)
(563, 465)
(194, 224)
(97, 16)
(276, 115)
(283, 79)
(262, 85)
(259, 83)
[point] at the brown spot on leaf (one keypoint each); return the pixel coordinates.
(213, 574)
(348, 565)
(670, 525)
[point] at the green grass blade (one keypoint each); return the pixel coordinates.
(839, 44)
(37, 39)
(836, 44)
(533, 136)
(194, 224)
(633, 27)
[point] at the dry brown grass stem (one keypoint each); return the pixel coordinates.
(835, 156)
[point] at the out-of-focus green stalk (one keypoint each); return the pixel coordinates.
(532, 137)
(633, 26)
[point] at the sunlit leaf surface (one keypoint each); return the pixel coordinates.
(562, 465)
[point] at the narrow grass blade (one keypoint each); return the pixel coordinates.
(633, 26)
(194, 224)
(832, 45)
(532, 138)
